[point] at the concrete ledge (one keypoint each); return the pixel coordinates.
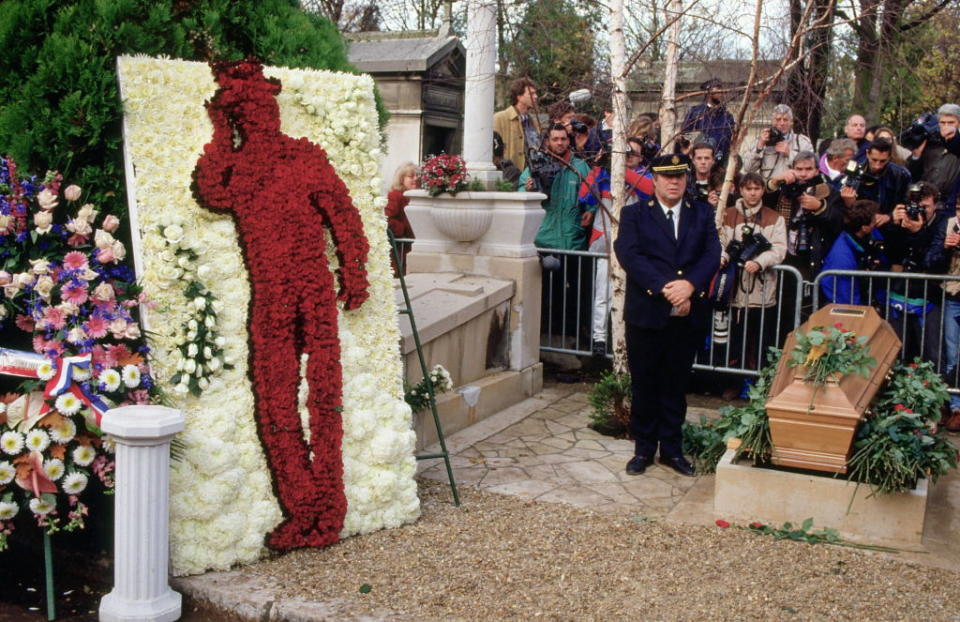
(497, 392)
(771, 496)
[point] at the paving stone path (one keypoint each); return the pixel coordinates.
(552, 455)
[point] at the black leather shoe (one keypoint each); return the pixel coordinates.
(639, 464)
(678, 464)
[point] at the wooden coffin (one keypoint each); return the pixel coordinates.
(821, 437)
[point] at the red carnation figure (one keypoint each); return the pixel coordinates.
(282, 193)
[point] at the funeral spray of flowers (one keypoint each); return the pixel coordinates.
(437, 381)
(444, 173)
(201, 348)
(65, 286)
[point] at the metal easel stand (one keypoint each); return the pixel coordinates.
(408, 311)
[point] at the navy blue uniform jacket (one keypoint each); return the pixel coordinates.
(652, 259)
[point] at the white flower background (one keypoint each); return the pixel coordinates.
(222, 502)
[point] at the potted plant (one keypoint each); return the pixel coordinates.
(460, 218)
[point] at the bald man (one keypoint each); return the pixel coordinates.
(856, 130)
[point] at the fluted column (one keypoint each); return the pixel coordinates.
(142, 500)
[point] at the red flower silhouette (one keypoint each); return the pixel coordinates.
(283, 193)
(722, 523)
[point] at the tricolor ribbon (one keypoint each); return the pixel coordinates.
(26, 364)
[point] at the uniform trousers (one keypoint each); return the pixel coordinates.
(660, 360)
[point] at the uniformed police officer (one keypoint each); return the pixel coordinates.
(670, 250)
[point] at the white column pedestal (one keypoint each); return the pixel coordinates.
(141, 592)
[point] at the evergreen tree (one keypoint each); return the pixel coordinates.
(59, 102)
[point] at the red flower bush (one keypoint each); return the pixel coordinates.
(283, 193)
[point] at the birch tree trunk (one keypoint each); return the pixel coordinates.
(668, 104)
(618, 162)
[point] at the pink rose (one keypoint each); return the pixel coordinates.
(76, 335)
(110, 223)
(72, 192)
(5, 278)
(105, 255)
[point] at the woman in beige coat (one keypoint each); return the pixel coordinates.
(753, 308)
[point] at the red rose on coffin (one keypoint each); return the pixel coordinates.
(283, 193)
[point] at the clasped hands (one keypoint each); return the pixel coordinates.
(678, 294)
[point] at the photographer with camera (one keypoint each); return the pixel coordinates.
(754, 239)
(910, 237)
(711, 119)
(833, 164)
(777, 146)
(580, 128)
(702, 154)
(855, 249)
(877, 179)
(564, 226)
(943, 257)
(813, 213)
(936, 157)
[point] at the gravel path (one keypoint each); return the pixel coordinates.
(503, 558)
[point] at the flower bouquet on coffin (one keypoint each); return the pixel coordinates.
(64, 286)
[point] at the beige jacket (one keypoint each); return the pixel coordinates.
(507, 124)
(768, 161)
(756, 290)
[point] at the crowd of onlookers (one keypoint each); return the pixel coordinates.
(857, 203)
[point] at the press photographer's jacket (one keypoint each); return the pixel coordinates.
(756, 290)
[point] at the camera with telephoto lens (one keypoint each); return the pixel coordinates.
(579, 127)
(914, 196)
(776, 136)
(751, 244)
(924, 128)
(543, 169)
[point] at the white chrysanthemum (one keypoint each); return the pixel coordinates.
(11, 442)
(53, 468)
(46, 370)
(7, 473)
(110, 380)
(131, 376)
(74, 483)
(109, 445)
(80, 374)
(41, 506)
(37, 440)
(69, 404)
(8, 509)
(84, 455)
(63, 432)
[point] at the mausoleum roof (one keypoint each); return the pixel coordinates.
(386, 52)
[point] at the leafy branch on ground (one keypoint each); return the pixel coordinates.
(707, 441)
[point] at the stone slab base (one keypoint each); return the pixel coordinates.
(746, 493)
(497, 392)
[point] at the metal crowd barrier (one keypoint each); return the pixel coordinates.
(738, 345)
(914, 304)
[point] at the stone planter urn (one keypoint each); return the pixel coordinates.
(811, 426)
(463, 217)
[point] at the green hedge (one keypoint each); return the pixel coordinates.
(59, 107)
